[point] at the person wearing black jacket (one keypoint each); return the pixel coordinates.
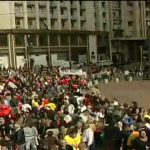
(112, 136)
(4, 127)
(18, 137)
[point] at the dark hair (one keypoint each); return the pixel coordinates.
(50, 133)
(135, 105)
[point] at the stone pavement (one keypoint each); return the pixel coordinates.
(126, 91)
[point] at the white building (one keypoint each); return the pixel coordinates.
(72, 30)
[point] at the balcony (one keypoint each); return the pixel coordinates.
(82, 18)
(31, 26)
(83, 5)
(63, 5)
(117, 27)
(53, 4)
(53, 16)
(64, 28)
(19, 26)
(31, 15)
(30, 2)
(74, 18)
(64, 17)
(42, 3)
(73, 5)
(43, 15)
(18, 2)
(19, 15)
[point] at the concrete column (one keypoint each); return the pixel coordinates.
(59, 15)
(48, 14)
(12, 50)
(37, 15)
(93, 48)
(90, 18)
(25, 14)
(9, 46)
(49, 50)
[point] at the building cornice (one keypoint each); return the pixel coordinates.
(26, 31)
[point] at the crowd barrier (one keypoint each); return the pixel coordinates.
(118, 77)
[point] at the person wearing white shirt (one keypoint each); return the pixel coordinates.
(30, 137)
(126, 73)
(88, 138)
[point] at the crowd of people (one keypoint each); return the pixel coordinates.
(40, 112)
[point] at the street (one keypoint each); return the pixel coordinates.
(126, 92)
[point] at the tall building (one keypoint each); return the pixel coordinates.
(48, 31)
(80, 31)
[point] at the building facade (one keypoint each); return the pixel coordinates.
(80, 31)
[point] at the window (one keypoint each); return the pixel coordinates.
(18, 8)
(73, 40)
(64, 40)
(19, 40)
(104, 26)
(3, 40)
(30, 8)
(62, 11)
(42, 40)
(82, 23)
(80, 2)
(114, 14)
(71, 2)
(52, 24)
(43, 24)
(54, 40)
(63, 23)
(104, 15)
(130, 23)
(19, 23)
(83, 40)
(103, 4)
(95, 14)
(52, 11)
(73, 22)
(130, 13)
(82, 12)
(32, 39)
(31, 23)
(42, 8)
(72, 12)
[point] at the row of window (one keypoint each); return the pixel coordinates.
(31, 9)
(43, 41)
(33, 39)
(43, 23)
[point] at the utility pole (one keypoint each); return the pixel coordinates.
(141, 52)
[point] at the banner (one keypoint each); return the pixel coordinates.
(72, 72)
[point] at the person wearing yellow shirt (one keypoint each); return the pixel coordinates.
(134, 135)
(52, 106)
(73, 139)
(131, 138)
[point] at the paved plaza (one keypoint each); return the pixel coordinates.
(128, 91)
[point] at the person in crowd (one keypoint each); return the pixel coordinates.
(73, 138)
(18, 137)
(51, 141)
(142, 142)
(88, 137)
(30, 137)
(64, 146)
(80, 119)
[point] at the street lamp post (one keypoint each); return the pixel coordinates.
(141, 63)
(30, 44)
